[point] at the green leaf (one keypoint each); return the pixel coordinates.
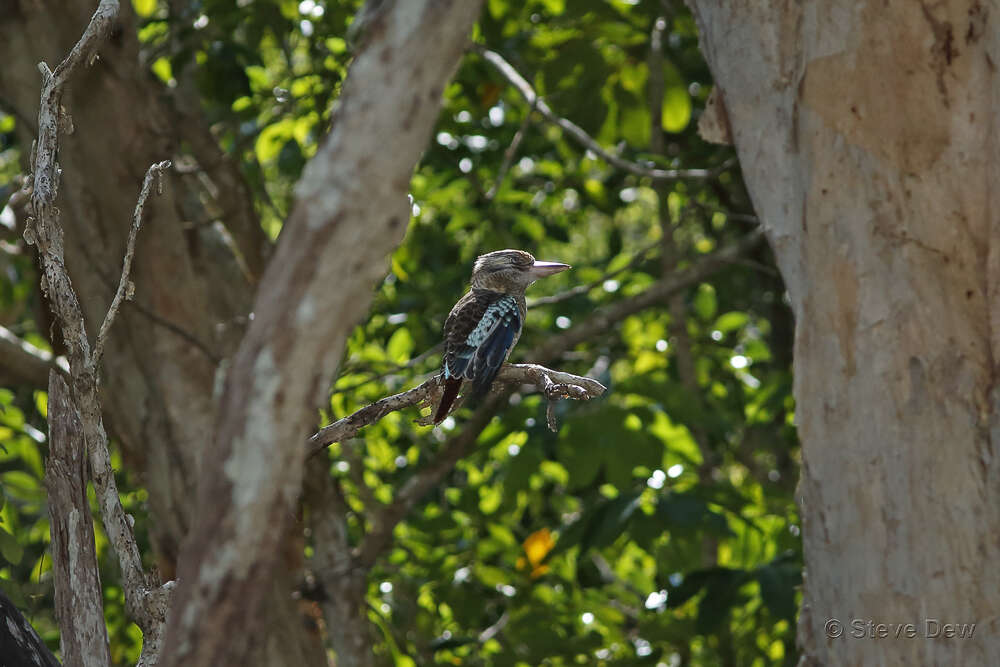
(144, 8)
(400, 346)
(290, 159)
(684, 512)
(721, 595)
(778, 580)
(731, 321)
(705, 303)
(676, 109)
(10, 548)
(273, 138)
(609, 521)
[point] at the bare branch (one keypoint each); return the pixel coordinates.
(495, 629)
(144, 602)
(78, 595)
(45, 177)
(27, 363)
(555, 385)
(508, 72)
(348, 427)
(125, 286)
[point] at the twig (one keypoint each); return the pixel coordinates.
(555, 384)
(495, 629)
(176, 329)
(145, 602)
(125, 286)
(578, 133)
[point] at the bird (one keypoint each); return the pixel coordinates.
(484, 325)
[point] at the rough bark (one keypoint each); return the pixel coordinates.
(351, 212)
(157, 386)
(867, 131)
(163, 353)
(78, 594)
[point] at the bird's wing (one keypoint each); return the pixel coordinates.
(479, 333)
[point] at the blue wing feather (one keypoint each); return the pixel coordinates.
(487, 346)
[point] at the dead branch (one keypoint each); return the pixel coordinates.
(144, 600)
(554, 384)
(125, 286)
(531, 97)
(78, 594)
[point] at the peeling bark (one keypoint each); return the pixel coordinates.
(867, 131)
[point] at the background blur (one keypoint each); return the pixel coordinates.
(659, 525)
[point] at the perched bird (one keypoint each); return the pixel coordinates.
(485, 324)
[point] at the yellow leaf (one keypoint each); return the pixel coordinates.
(538, 545)
(144, 8)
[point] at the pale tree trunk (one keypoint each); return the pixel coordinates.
(867, 134)
(351, 213)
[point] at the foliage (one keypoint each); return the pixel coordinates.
(658, 526)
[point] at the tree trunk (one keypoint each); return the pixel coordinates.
(191, 294)
(76, 579)
(351, 212)
(867, 135)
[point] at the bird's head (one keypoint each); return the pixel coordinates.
(511, 271)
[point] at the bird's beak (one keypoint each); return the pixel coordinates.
(543, 269)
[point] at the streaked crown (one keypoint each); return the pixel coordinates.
(498, 260)
(511, 271)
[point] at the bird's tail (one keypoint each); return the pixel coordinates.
(451, 387)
